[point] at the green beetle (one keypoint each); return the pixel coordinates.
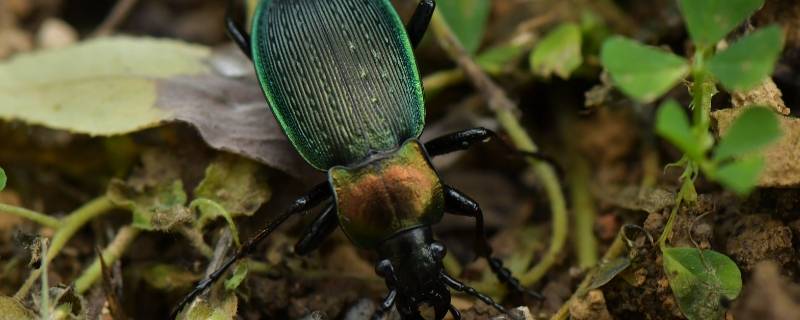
(341, 79)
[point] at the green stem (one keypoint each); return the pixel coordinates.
(505, 112)
(34, 216)
(69, 226)
(584, 211)
(111, 254)
(44, 308)
(616, 249)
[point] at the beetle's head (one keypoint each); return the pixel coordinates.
(412, 264)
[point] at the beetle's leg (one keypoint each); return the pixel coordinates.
(460, 287)
(308, 201)
(463, 140)
(315, 234)
(236, 31)
(455, 313)
(458, 203)
(419, 22)
(385, 306)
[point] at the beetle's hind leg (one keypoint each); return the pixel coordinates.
(458, 203)
(235, 30)
(308, 201)
(419, 22)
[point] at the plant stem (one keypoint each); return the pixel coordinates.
(111, 254)
(69, 226)
(584, 211)
(505, 112)
(615, 250)
(34, 216)
(44, 307)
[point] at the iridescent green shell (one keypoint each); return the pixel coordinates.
(339, 75)
(386, 195)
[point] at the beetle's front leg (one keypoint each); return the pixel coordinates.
(235, 30)
(419, 22)
(463, 140)
(458, 203)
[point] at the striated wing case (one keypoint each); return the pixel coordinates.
(339, 75)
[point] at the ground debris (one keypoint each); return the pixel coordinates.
(590, 307)
(759, 237)
(768, 296)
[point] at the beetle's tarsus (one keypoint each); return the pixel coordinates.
(460, 287)
(308, 201)
(419, 22)
(238, 34)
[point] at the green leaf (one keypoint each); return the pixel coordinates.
(467, 19)
(748, 61)
(238, 276)
(607, 270)
(105, 86)
(239, 185)
(673, 124)
(10, 309)
(754, 129)
(741, 175)
(642, 72)
(495, 59)
(2, 179)
(167, 277)
(709, 21)
(154, 194)
(218, 308)
(701, 280)
(559, 52)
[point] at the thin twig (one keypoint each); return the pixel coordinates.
(114, 19)
(506, 113)
(614, 251)
(34, 216)
(110, 255)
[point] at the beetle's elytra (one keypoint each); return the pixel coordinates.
(341, 79)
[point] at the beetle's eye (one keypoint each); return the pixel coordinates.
(438, 250)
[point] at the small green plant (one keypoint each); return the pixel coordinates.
(700, 279)
(2, 179)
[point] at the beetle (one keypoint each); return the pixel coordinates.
(341, 79)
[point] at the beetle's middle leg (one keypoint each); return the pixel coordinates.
(311, 199)
(236, 31)
(458, 203)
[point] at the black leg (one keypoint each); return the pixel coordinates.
(315, 234)
(418, 24)
(463, 140)
(460, 287)
(235, 30)
(454, 311)
(385, 306)
(308, 201)
(458, 203)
